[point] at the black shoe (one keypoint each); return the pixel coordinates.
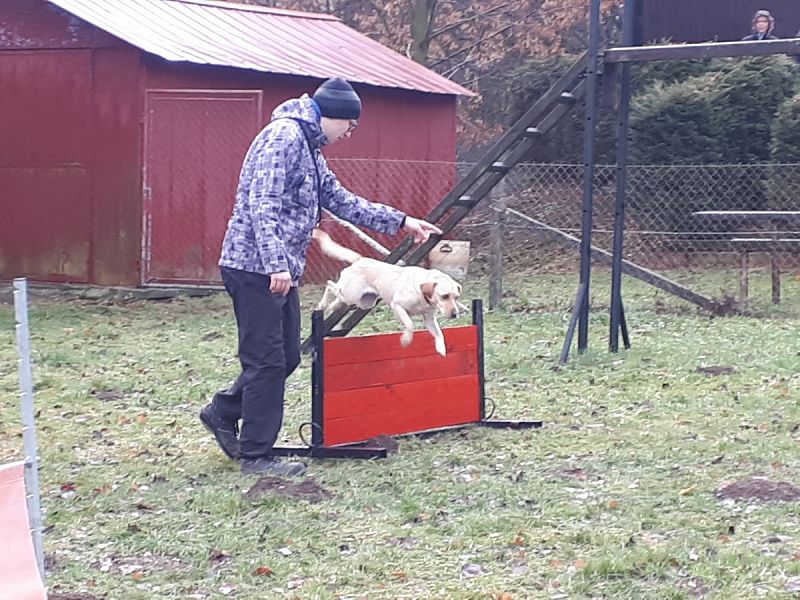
(271, 466)
(226, 431)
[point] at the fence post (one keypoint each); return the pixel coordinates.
(28, 419)
(498, 204)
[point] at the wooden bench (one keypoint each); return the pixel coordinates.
(773, 241)
(749, 245)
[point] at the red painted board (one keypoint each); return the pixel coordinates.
(356, 416)
(386, 346)
(400, 370)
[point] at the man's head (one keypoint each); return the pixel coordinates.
(339, 106)
(763, 21)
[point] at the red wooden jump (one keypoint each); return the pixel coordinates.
(369, 386)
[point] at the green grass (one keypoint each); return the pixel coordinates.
(613, 498)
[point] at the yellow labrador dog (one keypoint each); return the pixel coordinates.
(408, 291)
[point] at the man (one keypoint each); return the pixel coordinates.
(763, 26)
(283, 184)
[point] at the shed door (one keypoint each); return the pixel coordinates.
(194, 145)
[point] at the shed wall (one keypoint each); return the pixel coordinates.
(72, 112)
(412, 134)
(69, 178)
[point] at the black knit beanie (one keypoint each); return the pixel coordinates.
(338, 100)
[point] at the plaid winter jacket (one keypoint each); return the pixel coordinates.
(280, 192)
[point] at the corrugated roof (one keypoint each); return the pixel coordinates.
(258, 38)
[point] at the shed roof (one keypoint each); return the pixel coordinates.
(253, 37)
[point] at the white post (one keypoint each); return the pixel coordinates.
(28, 419)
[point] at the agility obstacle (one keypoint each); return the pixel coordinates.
(21, 553)
(19, 576)
(365, 387)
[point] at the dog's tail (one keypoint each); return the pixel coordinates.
(334, 250)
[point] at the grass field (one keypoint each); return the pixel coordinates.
(616, 497)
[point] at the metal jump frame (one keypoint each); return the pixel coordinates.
(616, 66)
(581, 82)
(28, 420)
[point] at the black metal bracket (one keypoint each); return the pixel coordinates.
(348, 451)
(499, 424)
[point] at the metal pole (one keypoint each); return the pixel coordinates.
(580, 298)
(318, 378)
(588, 171)
(477, 320)
(28, 420)
(623, 127)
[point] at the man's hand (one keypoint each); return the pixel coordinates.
(280, 283)
(420, 230)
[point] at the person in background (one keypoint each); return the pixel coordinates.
(283, 185)
(763, 26)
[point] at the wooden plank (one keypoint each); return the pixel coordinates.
(764, 245)
(628, 267)
(543, 104)
(486, 185)
(386, 346)
(769, 216)
(748, 213)
(665, 52)
(395, 371)
(397, 410)
(413, 395)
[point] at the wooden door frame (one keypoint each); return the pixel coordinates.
(146, 191)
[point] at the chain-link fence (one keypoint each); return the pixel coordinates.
(414, 187)
(674, 223)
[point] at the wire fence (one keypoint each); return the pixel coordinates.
(672, 223)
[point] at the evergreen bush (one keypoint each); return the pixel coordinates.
(783, 184)
(722, 116)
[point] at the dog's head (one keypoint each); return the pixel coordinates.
(443, 292)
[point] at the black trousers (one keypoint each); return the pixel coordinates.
(269, 351)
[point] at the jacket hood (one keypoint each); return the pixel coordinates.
(768, 15)
(302, 110)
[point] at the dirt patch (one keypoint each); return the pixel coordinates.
(694, 587)
(760, 488)
(575, 473)
(718, 370)
(107, 395)
(308, 489)
(138, 565)
(384, 441)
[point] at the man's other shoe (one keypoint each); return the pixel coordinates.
(271, 466)
(226, 431)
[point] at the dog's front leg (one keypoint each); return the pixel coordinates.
(329, 297)
(432, 325)
(406, 322)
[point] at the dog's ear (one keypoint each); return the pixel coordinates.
(427, 289)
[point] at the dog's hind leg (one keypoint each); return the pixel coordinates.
(432, 325)
(406, 322)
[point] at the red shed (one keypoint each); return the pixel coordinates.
(125, 123)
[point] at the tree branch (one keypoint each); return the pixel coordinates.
(472, 46)
(456, 24)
